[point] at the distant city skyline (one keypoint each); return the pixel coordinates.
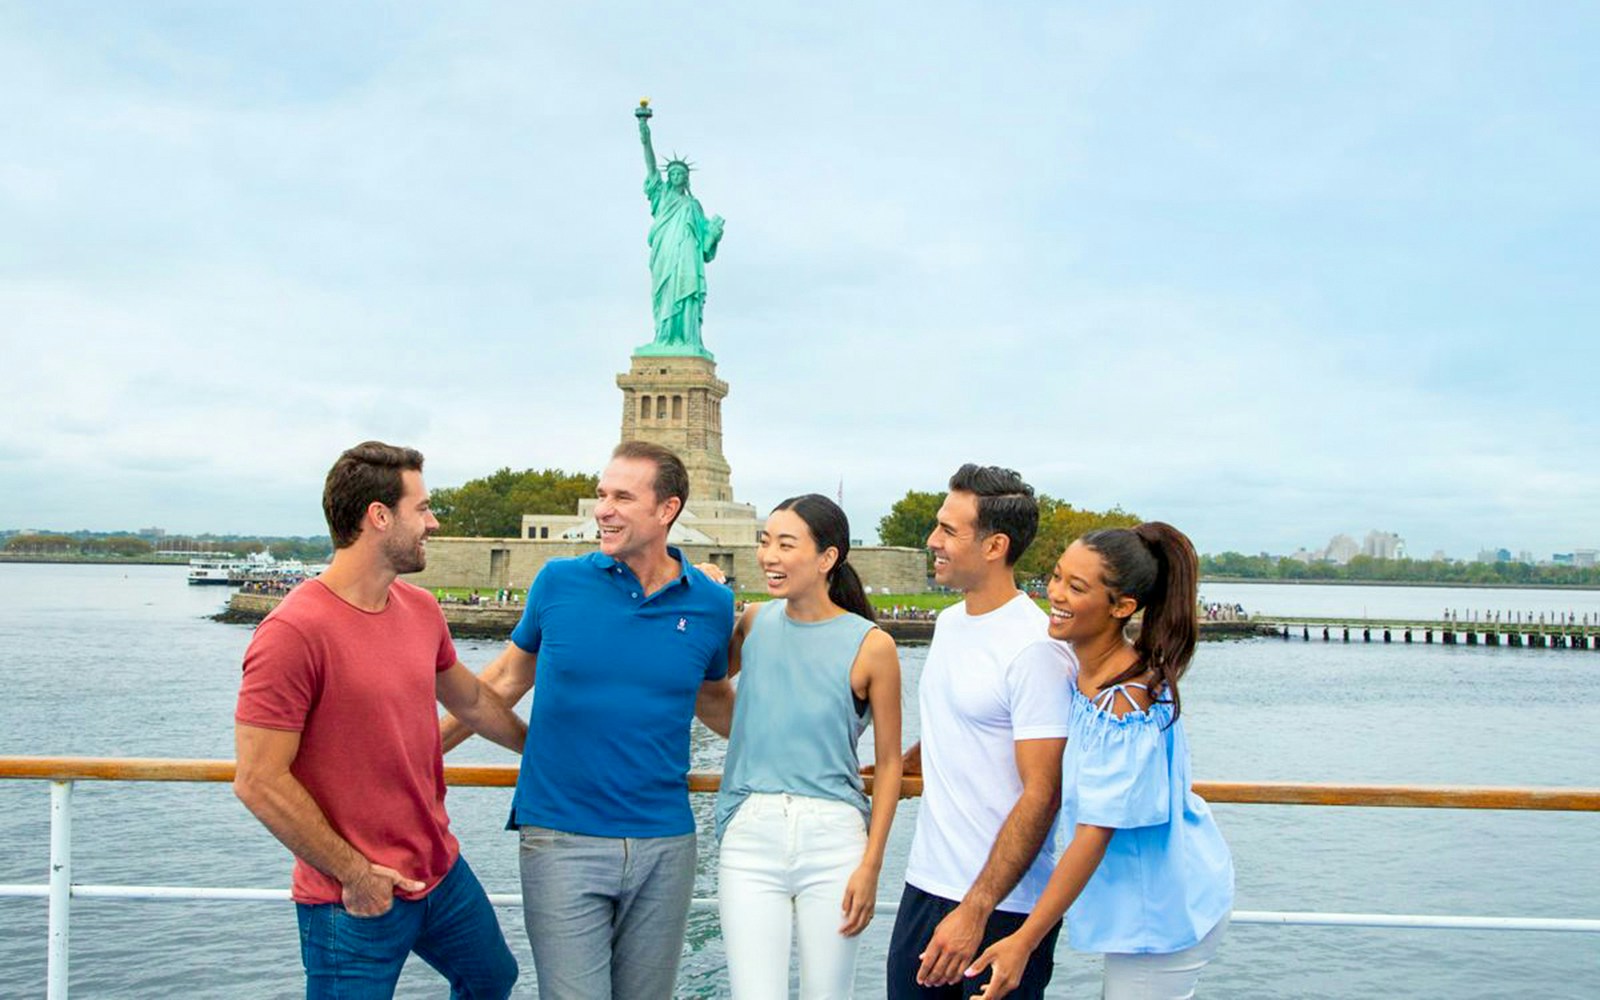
(1268, 272)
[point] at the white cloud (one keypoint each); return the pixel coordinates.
(1269, 275)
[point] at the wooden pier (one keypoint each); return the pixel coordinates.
(1518, 634)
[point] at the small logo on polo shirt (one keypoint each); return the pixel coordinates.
(683, 624)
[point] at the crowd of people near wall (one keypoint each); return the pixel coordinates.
(275, 587)
(905, 613)
(1490, 616)
(1042, 731)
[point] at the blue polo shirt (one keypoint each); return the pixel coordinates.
(613, 697)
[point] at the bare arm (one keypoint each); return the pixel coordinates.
(955, 941)
(878, 667)
(650, 168)
(471, 703)
(1009, 955)
(911, 763)
(741, 628)
(275, 796)
(714, 704)
(508, 677)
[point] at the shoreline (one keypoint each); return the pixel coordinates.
(483, 621)
(1256, 581)
(6, 557)
(38, 559)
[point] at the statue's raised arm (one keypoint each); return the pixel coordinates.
(650, 168)
(682, 241)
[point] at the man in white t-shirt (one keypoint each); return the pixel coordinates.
(990, 756)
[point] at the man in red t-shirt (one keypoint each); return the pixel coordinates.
(339, 753)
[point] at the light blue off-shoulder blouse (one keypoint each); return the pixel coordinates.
(1167, 876)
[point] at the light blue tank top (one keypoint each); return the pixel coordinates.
(795, 724)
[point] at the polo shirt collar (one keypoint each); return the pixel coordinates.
(607, 563)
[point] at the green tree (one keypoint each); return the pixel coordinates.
(1291, 569)
(1060, 524)
(128, 545)
(1235, 564)
(41, 544)
(492, 506)
(304, 549)
(476, 511)
(910, 521)
(913, 516)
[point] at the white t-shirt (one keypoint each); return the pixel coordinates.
(977, 700)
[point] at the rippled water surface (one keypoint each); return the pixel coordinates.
(122, 661)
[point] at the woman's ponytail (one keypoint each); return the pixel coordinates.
(845, 590)
(1155, 564)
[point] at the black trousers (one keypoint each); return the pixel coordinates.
(920, 914)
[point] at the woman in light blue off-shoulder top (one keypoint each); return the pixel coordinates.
(1146, 877)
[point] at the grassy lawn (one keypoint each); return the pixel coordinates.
(484, 594)
(929, 601)
(926, 601)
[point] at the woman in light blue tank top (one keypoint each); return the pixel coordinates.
(801, 845)
(1146, 878)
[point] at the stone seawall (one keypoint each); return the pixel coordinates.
(495, 621)
(247, 609)
(497, 563)
(467, 621)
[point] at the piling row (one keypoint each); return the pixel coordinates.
(1558, 637)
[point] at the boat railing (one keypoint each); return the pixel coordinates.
(64, 772)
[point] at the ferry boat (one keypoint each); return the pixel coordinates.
(215, 570)
(228, 569)
(262, 567)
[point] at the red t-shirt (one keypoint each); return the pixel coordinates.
(358, 686)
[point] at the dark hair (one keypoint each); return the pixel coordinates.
(672, 479)
(366, 474)
(1005, 505)
(831, 529)
(1155, 564)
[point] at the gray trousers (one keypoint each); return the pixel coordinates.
(605, 916)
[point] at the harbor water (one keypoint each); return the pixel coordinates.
(123, 661)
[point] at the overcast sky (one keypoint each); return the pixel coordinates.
(1267, 271)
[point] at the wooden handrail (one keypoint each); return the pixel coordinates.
(505, 776)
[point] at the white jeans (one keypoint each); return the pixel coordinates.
(1161, 977)
(785, 860)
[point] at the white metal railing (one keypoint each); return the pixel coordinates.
(61, 890)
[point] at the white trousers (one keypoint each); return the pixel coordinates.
(1161, 977)
(785, 860)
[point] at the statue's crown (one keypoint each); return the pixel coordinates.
(677, 161)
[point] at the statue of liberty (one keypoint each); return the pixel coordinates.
(682, 242)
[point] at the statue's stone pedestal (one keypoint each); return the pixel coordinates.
(655, 350)
(676, 401)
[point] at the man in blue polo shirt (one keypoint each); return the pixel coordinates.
(629, 643)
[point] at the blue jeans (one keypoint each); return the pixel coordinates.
(605, 916)
(452, 928)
